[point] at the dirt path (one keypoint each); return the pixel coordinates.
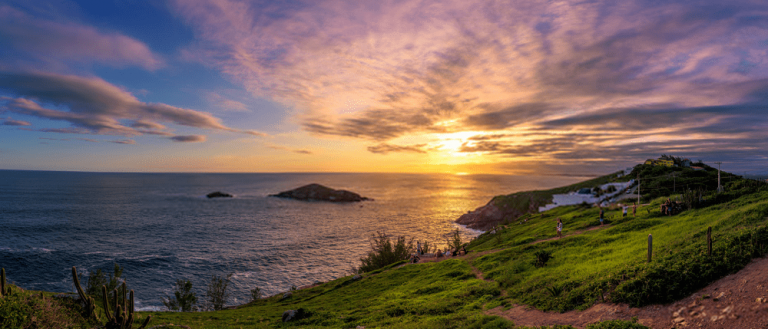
(735, 301)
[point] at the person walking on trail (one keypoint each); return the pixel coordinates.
(418, 248)
(559, 228)
(602, 213)
(634, 209)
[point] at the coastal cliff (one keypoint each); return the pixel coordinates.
(504, 208)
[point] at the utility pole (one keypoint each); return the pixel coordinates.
(719, 187)
(638, 189)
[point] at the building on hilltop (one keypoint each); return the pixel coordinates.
(661, 162)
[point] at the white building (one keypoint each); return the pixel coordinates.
(574, 198)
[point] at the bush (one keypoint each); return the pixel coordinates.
(542, 257)
(216, 295)
(383, 252)
(184, 298)
(98, 279)
(617, 324)
(255, 294)
(425, 248)
(454, 242)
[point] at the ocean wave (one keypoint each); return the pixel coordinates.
(27, 250)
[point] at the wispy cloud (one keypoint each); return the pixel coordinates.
(51, 42)
(384, 148)
(11, 122)
(294, 150)
(224, 103)
(124, 141)
(188, 138)
(92, 105)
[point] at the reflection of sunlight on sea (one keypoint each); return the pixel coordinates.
(160, 229)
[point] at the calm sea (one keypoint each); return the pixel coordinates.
(161, 227)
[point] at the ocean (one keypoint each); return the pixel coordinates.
(160, 227)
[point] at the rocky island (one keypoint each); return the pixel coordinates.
(317, 192)
(218, 194)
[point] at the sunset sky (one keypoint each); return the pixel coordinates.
(512, 87)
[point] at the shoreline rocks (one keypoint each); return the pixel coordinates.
(500, 210)
(317, 192)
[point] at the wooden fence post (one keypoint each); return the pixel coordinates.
(709, 241)
(650, 246)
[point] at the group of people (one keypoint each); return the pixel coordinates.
(438, 253)
(667, 207)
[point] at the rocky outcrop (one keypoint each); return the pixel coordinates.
(501, 209)
(317, 192)
(292, 315)
(218, 194)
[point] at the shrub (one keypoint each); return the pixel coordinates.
(255, 294)
(98, 279)
(426, 247)
(454, 242)
(184, 298)
(617, 324)
(216, 295)
(384, 252)
(555, 291)
(542, 257)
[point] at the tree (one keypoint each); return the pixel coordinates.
(217, 295)
(184, 299)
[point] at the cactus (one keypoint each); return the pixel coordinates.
(2, 283)
(122, 318)
(89, 305)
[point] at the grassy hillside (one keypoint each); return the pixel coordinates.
(589, 265)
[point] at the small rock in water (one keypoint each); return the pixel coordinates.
(218, 194)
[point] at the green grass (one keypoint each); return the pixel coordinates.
(35, 309)
(431, 295)
(612, 261)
